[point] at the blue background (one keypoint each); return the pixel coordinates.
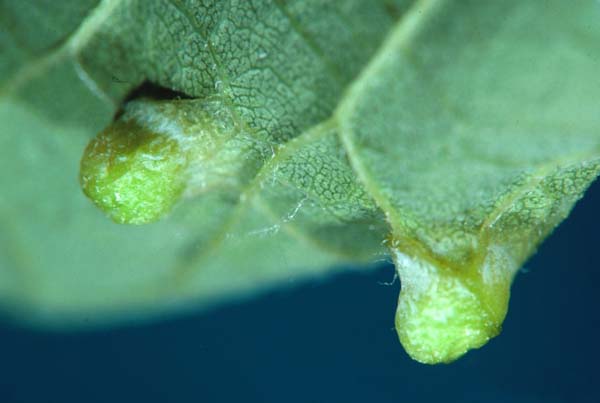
(332, 341)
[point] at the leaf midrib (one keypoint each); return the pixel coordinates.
(68, 48)
(400, 39)
(406, 23)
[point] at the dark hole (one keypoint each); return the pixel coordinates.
(154, 91)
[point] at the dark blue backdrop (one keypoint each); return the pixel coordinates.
(332, 341)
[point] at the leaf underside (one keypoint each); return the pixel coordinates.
(451, 136)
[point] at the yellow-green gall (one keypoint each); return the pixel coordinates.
(133, 174)
(159, 152)
(444, 312)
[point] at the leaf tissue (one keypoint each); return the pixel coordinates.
(450, 136)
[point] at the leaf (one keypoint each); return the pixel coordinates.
(471, 193)
(455, 145)
(282, 83)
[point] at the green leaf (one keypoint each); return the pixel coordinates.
(65, 261)
(498, 140)
(452, 136)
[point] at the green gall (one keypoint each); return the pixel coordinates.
(133, 174)
(443, 312)
(159, 152)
